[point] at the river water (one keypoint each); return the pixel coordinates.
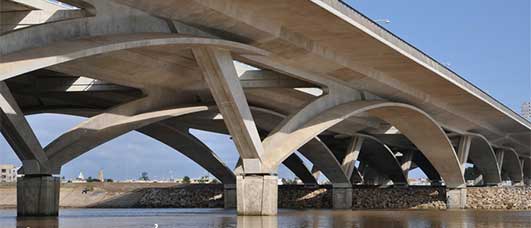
(163, 218)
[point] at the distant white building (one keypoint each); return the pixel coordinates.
(80, 176)
(526, 110)
(8, 173)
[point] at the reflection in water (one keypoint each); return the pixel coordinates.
(258, 221)
(147, 218)
(37, 222)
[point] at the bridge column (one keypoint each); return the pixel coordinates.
(257, 194)
(229, 196)
(256, 191)
(405, 164)
(37, 191)
(456, 198)
(342, 196)
(38, 195)
(527, 170)
(463, 150)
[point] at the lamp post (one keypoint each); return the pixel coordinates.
(385, 21)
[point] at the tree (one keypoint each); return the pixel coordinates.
(186, 180)
(144, 176)
(215, 181)
(109, 180)
(289, 181)
(203, 180)
(90, 179)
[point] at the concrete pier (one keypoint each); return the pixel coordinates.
(257, 194)
(342, 196)
(456, 198)
(38, 196)
(229, 196)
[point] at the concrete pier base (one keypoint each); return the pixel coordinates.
(257, 194)
(456, 198)
(342, 196)
(257, 222)
(38, 196)
(229, 196)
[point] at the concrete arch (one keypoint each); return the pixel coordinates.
(425, 165)
(28, 60)
(190, 146)
(483, 156)
(415, 124)
(380, 157)
(512, 165)
(177, 138)
(315, 150)
(527, 170)
(104, 18)
(104, 127)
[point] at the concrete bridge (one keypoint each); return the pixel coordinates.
(325, 81)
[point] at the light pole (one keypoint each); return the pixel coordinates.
(385, 21)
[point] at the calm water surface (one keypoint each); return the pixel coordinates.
(147, 218)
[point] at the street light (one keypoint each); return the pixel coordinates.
(385, 21)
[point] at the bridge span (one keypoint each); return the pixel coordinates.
(325, 81)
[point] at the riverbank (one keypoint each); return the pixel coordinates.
(170, 195)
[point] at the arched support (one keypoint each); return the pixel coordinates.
(512, 166)
(190, 146)
(184, 142)
(180, 140)
(108, 125)
(104, 18)
(527, 170)
(28, 60)
(380, 157)
(422, 130)
(296, 165)
(176, 137)
(483, 156)
(315, 151)
(425, 165)
(263, 119)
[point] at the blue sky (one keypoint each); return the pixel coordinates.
(485, 41)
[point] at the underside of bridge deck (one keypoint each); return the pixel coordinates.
(360, 104)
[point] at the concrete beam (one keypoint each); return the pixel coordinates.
(19, 135)
(351, 155)
(220, 75)
(406, 162)
(463, 150)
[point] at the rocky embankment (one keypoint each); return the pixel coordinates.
(153, 195)
(399, 198)
(492, 198)
(191, 196)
